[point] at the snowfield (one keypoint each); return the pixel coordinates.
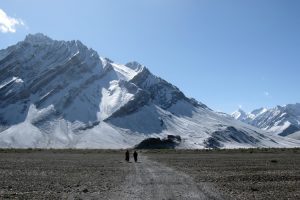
(60, 94)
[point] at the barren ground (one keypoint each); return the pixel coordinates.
(240, 174)
(159, 174)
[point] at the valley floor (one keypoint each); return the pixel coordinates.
(240, 174)
(159, 174)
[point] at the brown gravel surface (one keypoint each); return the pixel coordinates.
(82, 174)
(160, 174)
(152, 180)
(240, 174)
(61, 174)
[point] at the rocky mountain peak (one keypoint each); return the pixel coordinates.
(61, 94)
(37, 38)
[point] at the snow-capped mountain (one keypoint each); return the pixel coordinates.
(240, 115)
(61, 94)
(281, 120)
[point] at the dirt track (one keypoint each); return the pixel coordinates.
(92, 175)
(152, 180)
(82, 174)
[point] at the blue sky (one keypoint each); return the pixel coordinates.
(223, 53)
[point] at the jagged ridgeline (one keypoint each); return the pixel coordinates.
(280, 120)
(61, 94)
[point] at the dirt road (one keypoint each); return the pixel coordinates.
(103, 174)
(152, 180)
(83, 174)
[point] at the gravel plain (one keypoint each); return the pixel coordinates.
(240, 174)
(61, 174)
(159, 174)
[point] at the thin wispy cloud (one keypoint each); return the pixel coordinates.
(8, 24)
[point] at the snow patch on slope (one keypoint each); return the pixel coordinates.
(295, 135)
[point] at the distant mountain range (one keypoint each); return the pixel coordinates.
(61, 94)
(281, 120)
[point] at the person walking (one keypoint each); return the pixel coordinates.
(135, 156)
(127, 156)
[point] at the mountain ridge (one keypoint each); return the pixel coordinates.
(61, 94)
(280, 120)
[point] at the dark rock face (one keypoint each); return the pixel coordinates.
(161, 92)
(227, 135)
(141, 99)
(156, 143)
(291, 129)
(212, 143)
